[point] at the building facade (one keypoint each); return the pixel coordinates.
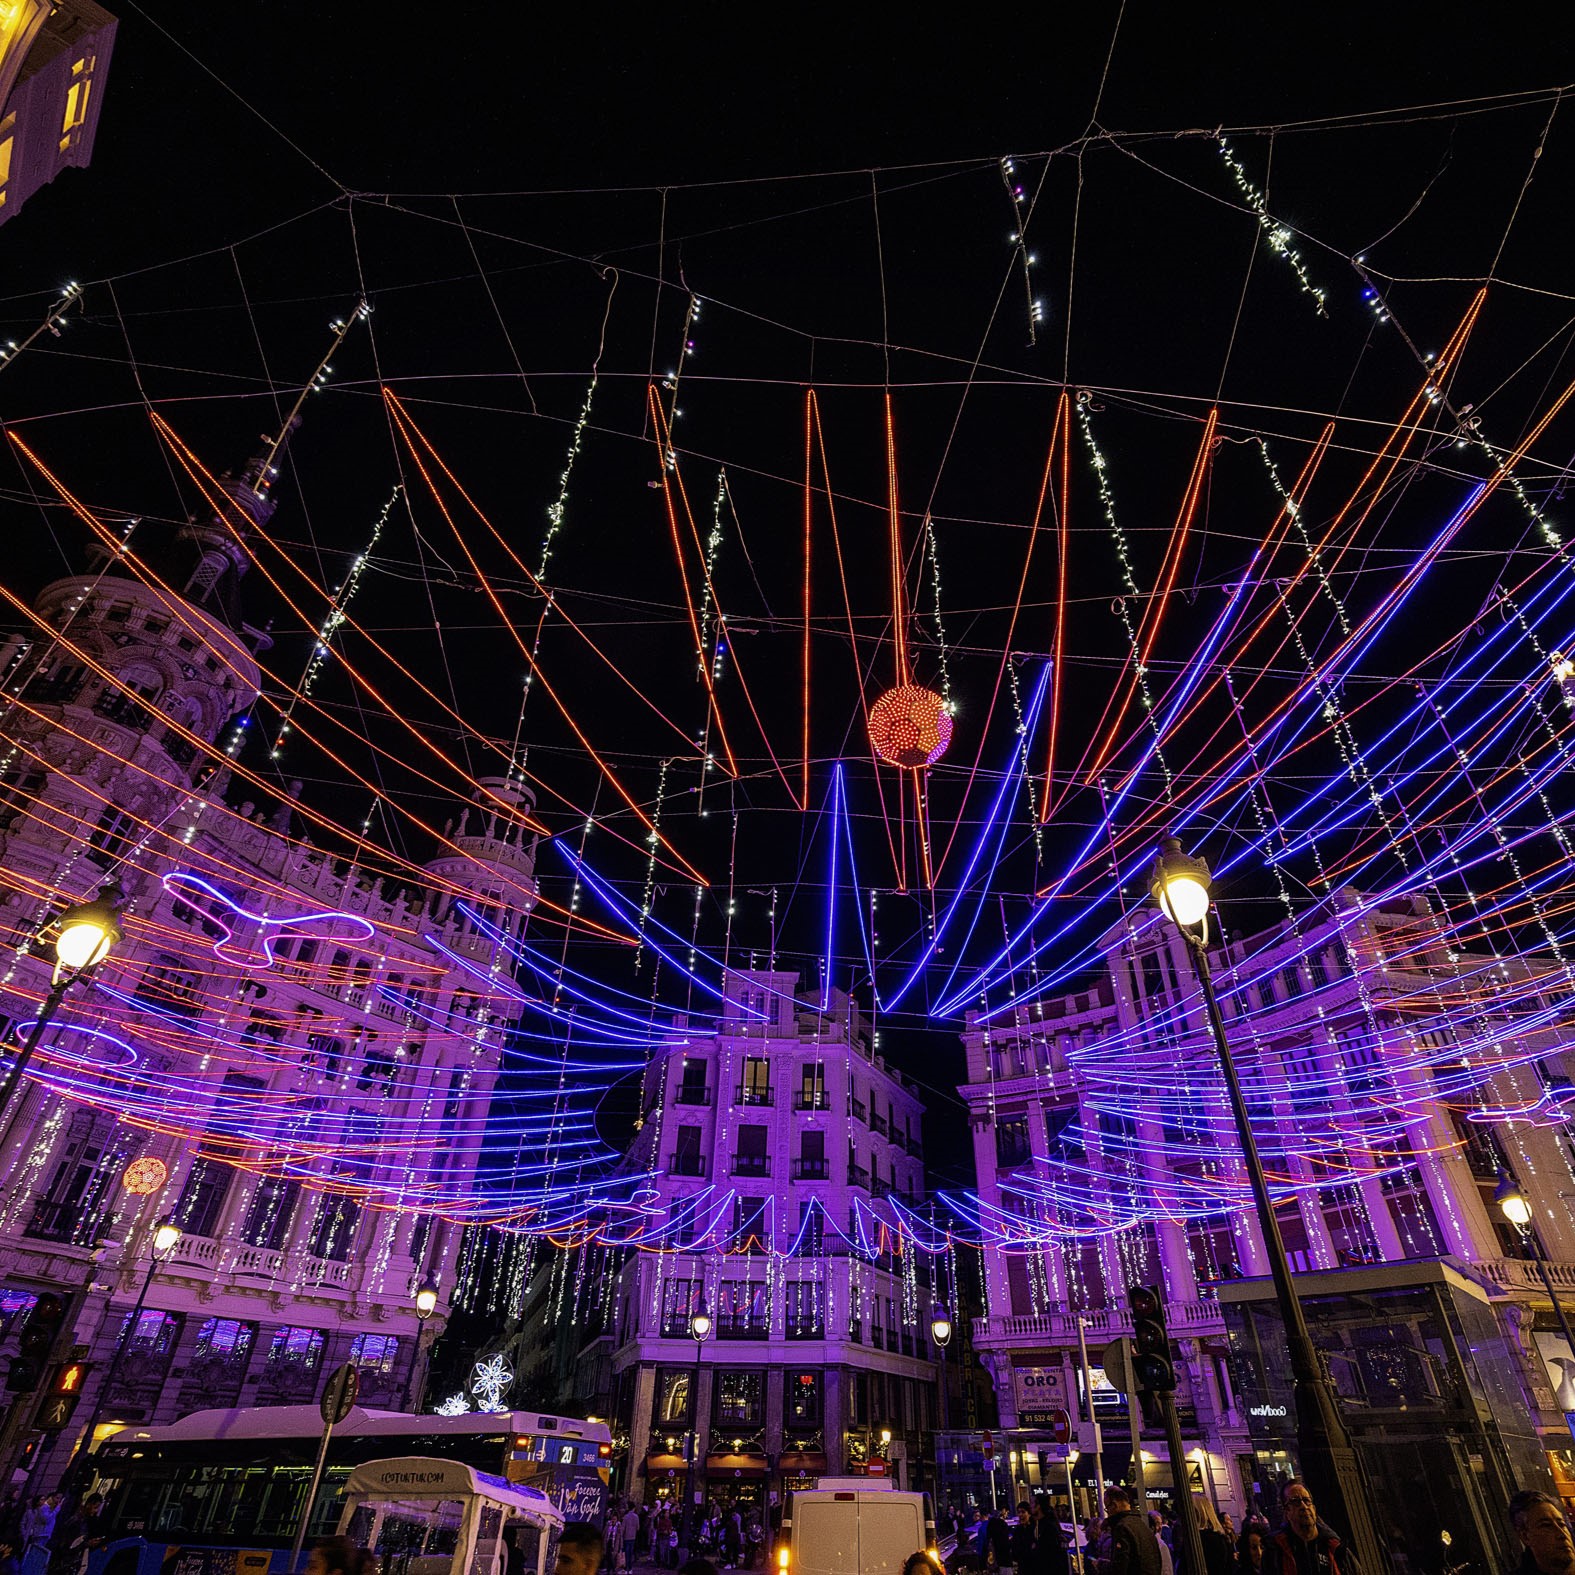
(268, 1038)
(776, 1133)
(1384, 1131)
(54, 64)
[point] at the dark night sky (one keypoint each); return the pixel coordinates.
(730, 151)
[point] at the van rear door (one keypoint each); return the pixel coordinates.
(891, 1530)
(826, 1534)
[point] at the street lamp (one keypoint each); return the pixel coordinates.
(85, 932)
(426, 1305)
(1180, 887)
(699, 1332)
(941, 1334)
(166, 1237)
(1515, 1206)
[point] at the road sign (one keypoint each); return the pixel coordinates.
(55, 1412)
(875, 1467)
(987, 1443)
(344, 1385)
(1060, 1427)
(1116, 1359)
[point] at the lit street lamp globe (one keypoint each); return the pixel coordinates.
(165, 1237)
(426, 1300)
(87, 930)
(910, 726)
(700, 1326)
(1180, 885)
(1513, 1204)
(941, 1326)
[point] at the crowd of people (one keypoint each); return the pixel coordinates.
(730, 1536)
(49, 1533)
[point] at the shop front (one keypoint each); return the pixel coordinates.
(801, 1469)
(736, 1481)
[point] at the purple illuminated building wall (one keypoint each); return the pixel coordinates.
(345, 1009)
(1363, 1105)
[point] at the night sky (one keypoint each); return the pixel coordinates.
(523, 196)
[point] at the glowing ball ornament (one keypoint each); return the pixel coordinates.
(143, 1177)
(910, 726)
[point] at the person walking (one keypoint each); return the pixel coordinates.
(630, 1530)
(1050, 1555)
(995, 1541)
(1024, 1552)
(1304, 1545)
(1544, 1532)
(1134, 1549)
(1249, 1550)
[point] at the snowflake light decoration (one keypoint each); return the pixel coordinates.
(455, 1405)
(490, 1379)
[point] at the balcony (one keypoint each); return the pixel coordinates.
(915, 1148)
(742, 1328)
(751, 1164)
(858, 1177)
(758, 1097)
(692, 1094)
(857, 1110)
(1101, 1324)
(812, 1099)
(811, 1170)
(686, 1165)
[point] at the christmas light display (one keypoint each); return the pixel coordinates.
(910, 726)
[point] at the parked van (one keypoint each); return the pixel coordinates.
(854, 1526)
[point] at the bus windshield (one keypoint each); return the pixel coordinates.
(409, 1538)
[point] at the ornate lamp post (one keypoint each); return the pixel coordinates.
(1515, 1206)
(699, 1332)
(426, 1305)
(166, 1237)
(941, 1334)
(84, 934)
(1180, 886)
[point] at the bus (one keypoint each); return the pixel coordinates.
(240, 1478)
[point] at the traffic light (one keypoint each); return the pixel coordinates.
(36, 1342)
(1153, 1372)
(69, 1378)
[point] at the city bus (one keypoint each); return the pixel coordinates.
(239, 1478)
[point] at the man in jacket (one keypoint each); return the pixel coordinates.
(1133, 1550)
(1544, 1533)
(1304, 1545)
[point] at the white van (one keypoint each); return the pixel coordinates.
(854, 1526)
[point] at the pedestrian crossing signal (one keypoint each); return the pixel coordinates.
(55, 1412)
(69, 1378)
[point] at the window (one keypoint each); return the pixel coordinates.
(751, 1158)
(375, 1353)
(290, 1372)
(86, 1163)
(1211, 1243)
(740, 1398)
(678, 1302)
(114, 836)
(267, 1221)
(812, 1087)
(805, 1310)
(334, 1228)
(1350, 1228)
(756, 1087)
(811, 1164)
(202, 1198)
(687, 1158)
(77, 96)
(218, 1365)
(20, 785)
(691, 1084)
(329, 1053)
(377, 1070)
(811, 1229)
(673, 1395)
(749, 1224)
(741, 1310)
(148, 1349)
(1012, 1147)
(167, 987)
(803, 1398)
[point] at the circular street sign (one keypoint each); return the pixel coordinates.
(339, 1395)
(1060, 1427)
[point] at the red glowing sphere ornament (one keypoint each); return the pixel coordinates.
(910, 726)
(145, 1176)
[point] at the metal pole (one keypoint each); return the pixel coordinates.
(80, 1459)
(1539, 1252)
(1328, 1457)
(691, 1512)
(1135, 1436)
(311, 1496)
(45, 1016)
(1071, 1510)
(1088, 1400)
(1181, 1487)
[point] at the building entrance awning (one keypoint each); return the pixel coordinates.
(803, 1462)
(742, 1467)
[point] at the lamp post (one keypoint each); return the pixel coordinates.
(941, 1334)
(699, 1332)
(1180, 886)
(85, 932)
(166, 1237)
(426, 1305)
(1516, 1208)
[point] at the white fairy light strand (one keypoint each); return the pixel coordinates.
(1278, 236)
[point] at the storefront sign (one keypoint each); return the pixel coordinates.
(1266, 1410)
(1041, 1389)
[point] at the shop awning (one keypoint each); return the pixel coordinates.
(742, 1466)
(803, 1462)
(660, 1461)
